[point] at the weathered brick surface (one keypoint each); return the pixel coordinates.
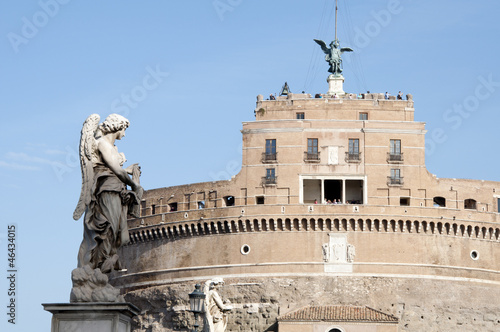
(420, 304)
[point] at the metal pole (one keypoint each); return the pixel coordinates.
(196, 322)
(336, 9)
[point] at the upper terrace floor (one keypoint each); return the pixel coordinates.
(364, 107)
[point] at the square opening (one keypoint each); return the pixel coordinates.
(259, 199)
(404, 201)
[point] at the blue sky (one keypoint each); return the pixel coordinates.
(186, 74)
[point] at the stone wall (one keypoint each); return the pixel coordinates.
(420, 304)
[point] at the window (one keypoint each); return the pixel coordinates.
(353, 154)
(201, 205)
(270, 177)
(470, 204)
(259, 199)
(229, 200)
(363, 116)
(312, 149)
(172, 207)
(404, 201)
(270, 154)
(395, 178)
(439, 201)
(395, 154)
(153, 209)
(300, 116)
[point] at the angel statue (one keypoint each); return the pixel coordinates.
(215, 319)
(333, 55)
(105, 197)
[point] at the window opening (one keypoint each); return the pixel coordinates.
(172, 207)
(311, 190)
(353, 153)
(270, 150)
(470, 204)
(354, 191)
(439, 201)
(333, 191)
(404, 201)
(300, 116)
(259, 199)
(153, 209)
(363, 116)
(229, 200)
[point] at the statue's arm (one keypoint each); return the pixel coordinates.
(112, 159)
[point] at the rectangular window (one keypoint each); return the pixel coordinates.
(270, 146)
(270, 154)
(270, 177)
(353, 146)
(395, 146)
(312, 145)
(300, 116)
(363, 116)
(395, 173)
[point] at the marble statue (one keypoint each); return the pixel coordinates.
(216, 310)
(333, 55)
(105, 197)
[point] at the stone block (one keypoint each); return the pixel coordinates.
(91, 317)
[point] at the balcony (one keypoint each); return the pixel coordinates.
(269, 180)
(269, 158)
(393, 181)
(353, 157)
(311, 157)
(395, 158)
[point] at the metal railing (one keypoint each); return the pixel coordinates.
(393, 181)
(353, 157)
(269, 157)
(269, 180)
(311, 156)
(395, 157)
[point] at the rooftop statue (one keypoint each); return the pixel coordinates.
(105, 197)
(333, 55)
(216, 310)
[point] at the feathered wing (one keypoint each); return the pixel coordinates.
(323, 46)
(88, 147)
(346, 49)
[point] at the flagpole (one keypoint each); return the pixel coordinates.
(336, 9)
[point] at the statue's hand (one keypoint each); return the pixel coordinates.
(138, 190)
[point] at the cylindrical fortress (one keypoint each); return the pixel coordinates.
(327, 210)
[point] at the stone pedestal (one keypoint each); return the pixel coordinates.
(335, 85)
(91, 316)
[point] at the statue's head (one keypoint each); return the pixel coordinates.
(335, 43)
(114, 123)
(216, 282)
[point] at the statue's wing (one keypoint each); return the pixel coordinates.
(323, 46)
(346, 49)
(88, 147)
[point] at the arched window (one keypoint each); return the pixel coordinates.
(439, 201)
(470, 204)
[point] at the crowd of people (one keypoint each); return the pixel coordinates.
(346, 96)
(337, 201)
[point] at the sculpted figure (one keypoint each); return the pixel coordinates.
(216, 310)
(105, 197)
(333, 55)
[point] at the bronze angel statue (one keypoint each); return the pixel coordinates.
(333, 55)
(105, 197)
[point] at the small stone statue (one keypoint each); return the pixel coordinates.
(216, 310)
(333, 55)
(105, 197)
